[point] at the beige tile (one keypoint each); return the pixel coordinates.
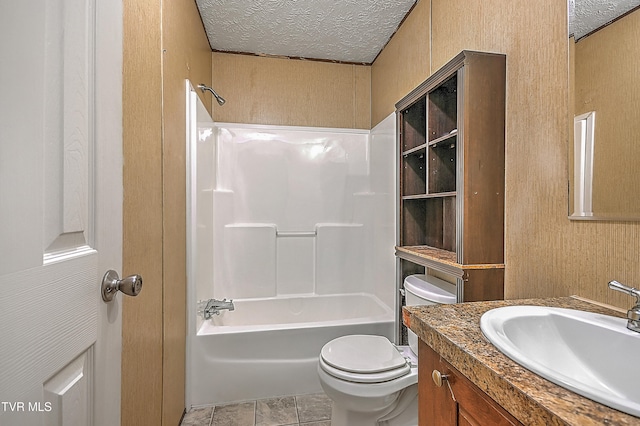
(325, 423)
(234, 414)
(276, 411)
(313, 408)
(198, 417)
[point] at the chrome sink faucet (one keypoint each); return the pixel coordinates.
(633, 314)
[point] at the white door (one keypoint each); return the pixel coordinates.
(60, 211)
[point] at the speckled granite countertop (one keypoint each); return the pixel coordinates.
(454, 332)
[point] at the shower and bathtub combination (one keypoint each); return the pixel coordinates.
(291, 232)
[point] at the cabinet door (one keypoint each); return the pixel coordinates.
(471, 406)
(435, 406)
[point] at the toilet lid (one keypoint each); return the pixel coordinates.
(383, 376)
(362, 354)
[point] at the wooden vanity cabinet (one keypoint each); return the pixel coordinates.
(436, 405)
(450, 135)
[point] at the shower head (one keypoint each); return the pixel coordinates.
(219, 98)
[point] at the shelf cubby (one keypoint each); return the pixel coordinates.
(429, 221)
(414, 171)
(414, 126)
(443, 108)
(442, 166)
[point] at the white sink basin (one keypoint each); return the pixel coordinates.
(593, 355)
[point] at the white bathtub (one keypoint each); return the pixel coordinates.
(269, 347)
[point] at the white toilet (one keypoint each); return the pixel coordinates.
(370, 380)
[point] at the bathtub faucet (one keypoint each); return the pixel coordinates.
(214, 307)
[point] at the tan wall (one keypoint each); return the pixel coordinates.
(403, 64)
(536, 126)
(187, 55)
(265, 90)
(546, 254)
(154, 332)
(608, 82)
(142, 210)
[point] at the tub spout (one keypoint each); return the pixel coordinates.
(214, 306)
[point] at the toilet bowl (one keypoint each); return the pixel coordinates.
(370, 380)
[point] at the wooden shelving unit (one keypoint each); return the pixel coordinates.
(451, 176)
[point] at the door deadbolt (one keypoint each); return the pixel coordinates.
(111, 284)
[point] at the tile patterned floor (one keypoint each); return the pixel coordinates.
(299, 410)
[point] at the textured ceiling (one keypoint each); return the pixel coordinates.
(588, 15)
(337, 30)
(343, 30)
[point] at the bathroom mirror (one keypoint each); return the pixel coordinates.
(604, 103)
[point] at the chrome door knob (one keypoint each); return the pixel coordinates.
(111, 284)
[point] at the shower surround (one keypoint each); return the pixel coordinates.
(295, 212)
(296, 225)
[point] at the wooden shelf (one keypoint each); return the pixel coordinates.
(433, 254)
(451, 176)
(425, 196)
(446, 139)
(417, 150)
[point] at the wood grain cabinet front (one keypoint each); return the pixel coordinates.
(454, 400)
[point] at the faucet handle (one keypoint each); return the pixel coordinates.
(633, 314)
(615, 285)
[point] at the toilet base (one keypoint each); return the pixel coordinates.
(402, 412)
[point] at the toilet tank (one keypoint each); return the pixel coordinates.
(426, 290)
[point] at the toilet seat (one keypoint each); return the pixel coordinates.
(363, 359)
(380, 377)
